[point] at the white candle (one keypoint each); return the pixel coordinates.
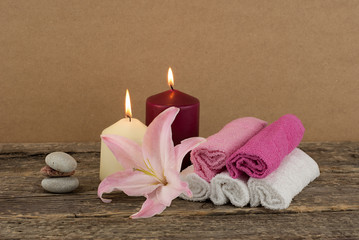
(127, 127)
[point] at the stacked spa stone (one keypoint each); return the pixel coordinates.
(59, 169)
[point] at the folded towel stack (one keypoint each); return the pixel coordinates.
(278, 170)
(277, 190)
(263, 153)
(210, 157)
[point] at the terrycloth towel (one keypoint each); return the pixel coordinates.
(224, 188)
(277, 190)
(263, 153)
(209, 158)
(199, 187)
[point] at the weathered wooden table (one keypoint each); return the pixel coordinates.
(328, 208)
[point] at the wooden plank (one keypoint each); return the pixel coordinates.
(21, 179)
(326, 225)
(34, 148)
(327, 208)
(317, 200)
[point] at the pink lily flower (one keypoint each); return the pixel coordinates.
(151, 170)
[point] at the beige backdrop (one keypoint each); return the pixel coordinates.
(65, 65)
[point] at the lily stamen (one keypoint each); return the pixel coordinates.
(151, 172)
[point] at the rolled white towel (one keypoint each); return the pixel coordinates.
(277, 190)
(224, 188)
(200, 188)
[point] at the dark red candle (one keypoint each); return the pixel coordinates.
(186, 124)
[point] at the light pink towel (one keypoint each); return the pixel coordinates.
(209, 158)
(263, 153)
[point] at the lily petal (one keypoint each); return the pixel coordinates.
(150, 207)
(133, 183)
(165, 194)
(175, 186)
(183, 148)
(127, 152)
(157, 145)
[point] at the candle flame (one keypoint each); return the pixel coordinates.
(171, 82)
(128, 105)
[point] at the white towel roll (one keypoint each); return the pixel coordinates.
(277, 190)
(200, 188)
(224, 188)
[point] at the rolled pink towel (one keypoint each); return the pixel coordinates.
(263, 153)
(209, 158)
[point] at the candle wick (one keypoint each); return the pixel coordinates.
(128, 117)
(171, 87)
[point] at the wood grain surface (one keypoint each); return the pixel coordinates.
(327, 209)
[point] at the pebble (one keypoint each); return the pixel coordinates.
(61, 162)
(60, 184)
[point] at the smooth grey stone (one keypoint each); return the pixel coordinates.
(61, 162)
(60, 184)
